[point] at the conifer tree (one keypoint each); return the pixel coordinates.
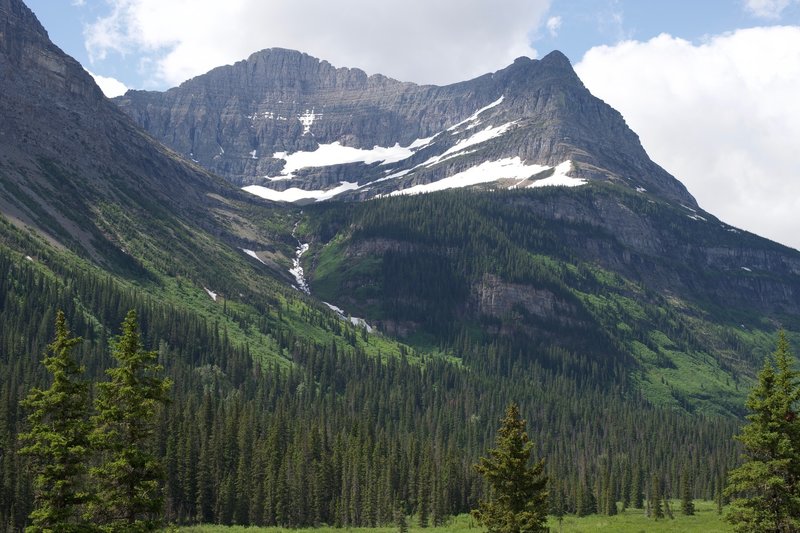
(129, 495)
(636, 489)
(518, 492)
(768, 483)
(687, 496)
(58, 439)
(655, 500)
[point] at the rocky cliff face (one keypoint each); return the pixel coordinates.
(67, 153)
(284, 120)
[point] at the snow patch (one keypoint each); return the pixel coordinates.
(253, 154)
(294, 194)
(478, 138)
(488, 171)
(307, 120)
(746, 269)
(336, 154)
(697, 217)
(419, 143)
(474, 116)
(29, 258)
(393, 176)
(510, 168)
(252, 254)
(212, 294)
(358, 322)
(559, 178)
(641, 189)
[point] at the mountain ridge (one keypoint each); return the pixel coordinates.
(241, 121)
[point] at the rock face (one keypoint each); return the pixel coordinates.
(245, 121)
(67, 152)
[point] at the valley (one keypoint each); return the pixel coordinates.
(348, 278)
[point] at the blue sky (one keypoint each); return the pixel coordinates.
(708, 85)
(581, 25)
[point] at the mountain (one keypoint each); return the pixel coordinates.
(619, 244)
(626, 322)
(285, 120)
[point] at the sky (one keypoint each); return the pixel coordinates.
(710, 86)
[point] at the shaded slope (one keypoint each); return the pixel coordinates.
(680, 302)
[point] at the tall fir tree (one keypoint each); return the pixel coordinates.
(687, 493)
(655, 501)
(128, 480)
(58, 439)
(768, 483)
(518, 490)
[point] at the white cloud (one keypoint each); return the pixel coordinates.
(768, 9)
(722, 116)
(111, 87)
(553, 24)
(413, 40)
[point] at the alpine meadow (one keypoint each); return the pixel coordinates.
(289, 295)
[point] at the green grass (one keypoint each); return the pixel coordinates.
(706, 520)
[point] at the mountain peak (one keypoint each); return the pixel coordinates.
(371, 135)
(557, 58)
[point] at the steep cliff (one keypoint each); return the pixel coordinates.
(282, 120)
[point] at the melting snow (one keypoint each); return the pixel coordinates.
(253, 154)
(478, 138)
(489, 171)
(393, 176)
(747, 269)
(696, 217)
(297, 270)
(641, 189)
(358, 322)
(559, 178)
(336, 154)
(294, 194)
(212, 294)
(474, 116)
(252, 254)
(419, 143)
(307, 119)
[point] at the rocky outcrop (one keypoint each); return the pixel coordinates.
(237, 120)
(497, 298)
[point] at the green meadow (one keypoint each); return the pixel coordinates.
(706, 520)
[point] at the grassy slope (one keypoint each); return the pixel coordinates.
(690, 354)
(250, 308)
(706, 520)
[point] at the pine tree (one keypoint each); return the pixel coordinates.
(768, 483)
(129, 496)
(518, 490)
(58, 439)
(687, 496)
(636, 489)
(400, 519)
(655, 500)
